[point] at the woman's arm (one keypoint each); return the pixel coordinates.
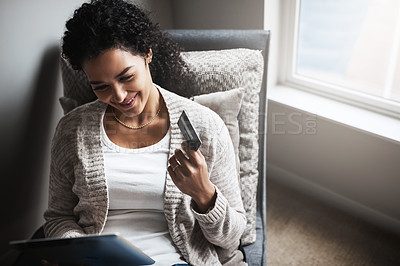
(60, 218)
(216, 199)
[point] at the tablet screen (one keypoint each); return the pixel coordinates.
(110, 249)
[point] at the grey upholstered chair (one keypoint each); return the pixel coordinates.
(204, 40)
(200, 40)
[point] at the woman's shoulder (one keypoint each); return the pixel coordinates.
(81, 116)
(75, 128)
(84, 111)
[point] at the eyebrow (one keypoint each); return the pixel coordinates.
(117, 76)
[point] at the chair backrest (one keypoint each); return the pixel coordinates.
(201, 40)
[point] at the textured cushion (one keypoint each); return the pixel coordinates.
(227, 105)
(77, 90)
(215, 71)
(224, 70)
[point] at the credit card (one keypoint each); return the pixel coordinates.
(189, 132)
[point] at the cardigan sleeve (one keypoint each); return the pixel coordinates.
(60, 220)
(224, 224)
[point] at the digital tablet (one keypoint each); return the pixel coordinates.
(111, 249)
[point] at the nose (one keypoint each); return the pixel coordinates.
(118, 93)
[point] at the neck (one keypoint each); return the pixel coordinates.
(151, 108)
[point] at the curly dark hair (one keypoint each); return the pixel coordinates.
(103, 24)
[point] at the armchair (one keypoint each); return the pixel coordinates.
(200, 40)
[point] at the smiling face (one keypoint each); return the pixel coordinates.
(123, 81)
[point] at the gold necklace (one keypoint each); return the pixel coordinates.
(138, 127)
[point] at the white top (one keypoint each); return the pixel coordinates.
(136, 181)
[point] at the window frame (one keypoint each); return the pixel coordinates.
(289, 13)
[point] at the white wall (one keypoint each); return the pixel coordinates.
(29, 89)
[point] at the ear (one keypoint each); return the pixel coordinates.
(149, 56)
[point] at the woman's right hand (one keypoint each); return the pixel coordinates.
(190, 175)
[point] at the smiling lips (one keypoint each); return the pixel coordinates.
(129, 103)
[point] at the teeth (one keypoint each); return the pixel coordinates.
(128, 102)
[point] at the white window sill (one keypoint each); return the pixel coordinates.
(356, 117)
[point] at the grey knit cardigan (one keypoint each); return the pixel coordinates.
(78, 194)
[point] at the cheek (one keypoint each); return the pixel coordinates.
(144, 76)
(103, 96)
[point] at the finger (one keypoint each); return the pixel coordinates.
(173, 161)
(175, 164)
(180, 156)
(186, 146)
(182, 160)
(192, 154)
(176, 174)
(171, 172)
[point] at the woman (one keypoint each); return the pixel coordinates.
(120, 163)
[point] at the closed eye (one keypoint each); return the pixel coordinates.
(100, 88)
(126, 77)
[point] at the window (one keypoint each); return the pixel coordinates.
(346, 49)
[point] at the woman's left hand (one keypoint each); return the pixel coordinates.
(190, 175)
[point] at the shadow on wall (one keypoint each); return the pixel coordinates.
(23, 176)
